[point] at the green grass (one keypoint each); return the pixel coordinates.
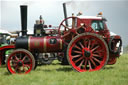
(57, 74)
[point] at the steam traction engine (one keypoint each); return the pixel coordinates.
(85, 42)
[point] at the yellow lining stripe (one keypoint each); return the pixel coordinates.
(45, 44)
(60, 44)
(29, 43)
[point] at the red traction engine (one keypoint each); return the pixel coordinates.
(85, 42)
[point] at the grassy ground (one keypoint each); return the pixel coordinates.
(57, 74)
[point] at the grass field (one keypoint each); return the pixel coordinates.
(57, 74)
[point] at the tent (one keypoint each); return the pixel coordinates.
(4, 31)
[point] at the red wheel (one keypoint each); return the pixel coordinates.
(20, 61)
(87, 52)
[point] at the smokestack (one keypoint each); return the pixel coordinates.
(65, 13)
(23, 9)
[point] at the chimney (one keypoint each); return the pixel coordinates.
(23, 9)
(65, 13)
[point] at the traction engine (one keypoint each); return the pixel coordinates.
(84, 42)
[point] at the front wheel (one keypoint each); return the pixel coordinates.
(87, 52)
(20, 61)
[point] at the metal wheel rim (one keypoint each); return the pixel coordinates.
(84, 63)
(11, 65)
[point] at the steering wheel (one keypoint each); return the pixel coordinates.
(72, 29)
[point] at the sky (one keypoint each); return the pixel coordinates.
(115, 11)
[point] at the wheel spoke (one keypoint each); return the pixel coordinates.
(27, 65)
(65, 42)
(79, 27)
(89, 43)
(79, 52)
(77, 47)
(90, 67)
(13, 65)
(14, 61)
(76, 56)
(26, 61)
(96, 55)
(93, 43)
(66, 34)
(81, 45)
(92, 61)
(96, 60)
(65, 26)
(98, 51)
(20, 56)
(77, 33)
(85, 64)
(24, 58)
(85, 43)
(17, 58)
(95, 48)
(16, 68)
(81, 63)
(78, 59)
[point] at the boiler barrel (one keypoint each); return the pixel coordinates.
(40, 44)
(22, 42)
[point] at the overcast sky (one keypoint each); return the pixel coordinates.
(116, 12)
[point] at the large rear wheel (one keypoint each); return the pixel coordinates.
(20, 61)
(87, 52)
